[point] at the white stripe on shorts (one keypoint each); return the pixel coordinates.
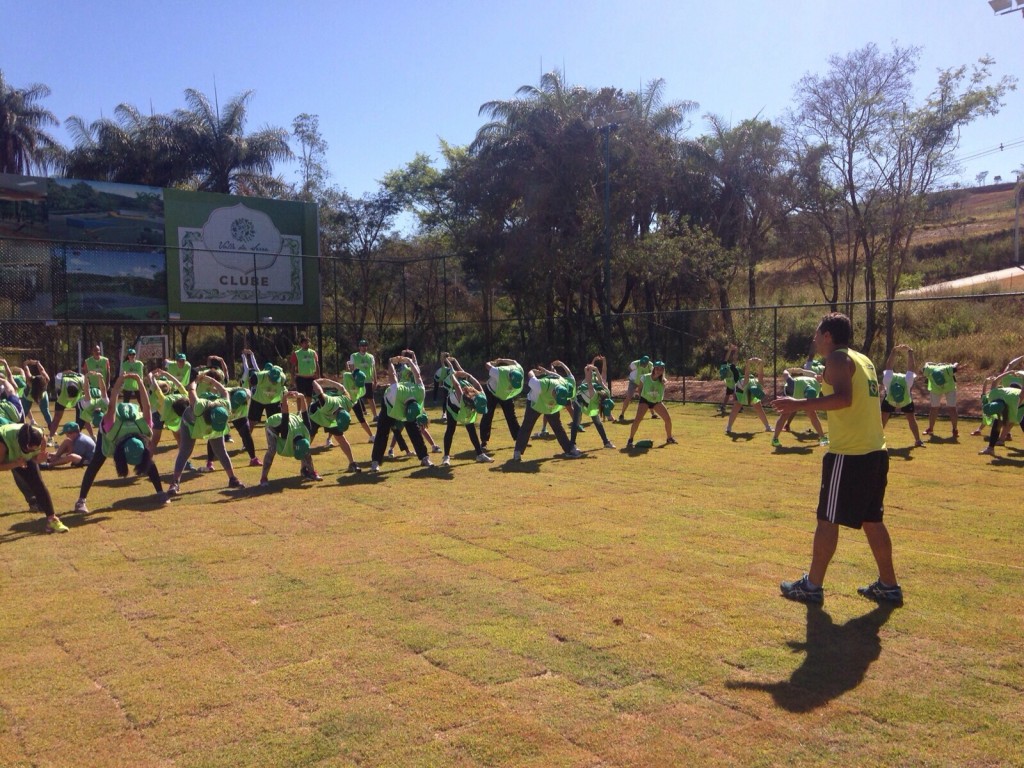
(833, 488)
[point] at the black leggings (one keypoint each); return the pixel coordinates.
(449, 433)
(242, 428)
(553, 420)
(98, 459)
(577, 417)
(508, 407)
(384, 427)
(30, 482)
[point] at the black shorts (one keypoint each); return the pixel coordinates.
(853, 488)
(304, 384)
(368, 394)
(647, 402)
(888, 407)
(256, 410)
(130, 394)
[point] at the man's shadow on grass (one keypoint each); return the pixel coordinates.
(838, 657)
(742, 436)
(37, 527)
(905, 453)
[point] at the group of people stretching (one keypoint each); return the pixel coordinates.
(124, 417)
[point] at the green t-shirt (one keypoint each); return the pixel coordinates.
(941, 377)
(64, 398)
(500, 384)
(181, 371)
(306, 362)
(131, 385)
(545, 402)
(9, 437)
(898, 393)
(404, 392)
(652, 390)
(266, 391)
(326, 415)
(285, 446)
(124, 428)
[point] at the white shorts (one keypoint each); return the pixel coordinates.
(936, 398)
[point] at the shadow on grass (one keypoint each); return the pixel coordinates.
(519, 467)
(838, 658)
(1007, 461)
(744, 436)
(794, 450)
(432, 473)
(359, 478)
(904, 453)
(37, 527)
(138, 503)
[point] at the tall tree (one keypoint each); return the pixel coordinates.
(24, 143)
(884, 153)
(224, 157)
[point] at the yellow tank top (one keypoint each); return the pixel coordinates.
(857, 430)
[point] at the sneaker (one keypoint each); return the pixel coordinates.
(163, 498)
(329, 443)
(234, 482)
(880, 593)
(54, 525)
(483, 447)
(173, 489)
(517, 456)
(408, 452)
(425, 462)
(310, 474)
(81, 507)
(768, 429)
(574, 453)
(483, 458)
(582, 427)
(255, 462)
(609, 444)
(956, 433)
(538, 435)
(264, 484)
(629, 444)
(671, 441)
(918, 444)
(189, 466)
(654, 416)
(728, 431)
(375, 419)
(446, 461)
(776, 443)
(928, 431)
(391, 453)
(369, 440)
(436, 448)
(209, 467)
(444, 418)
(44, 465)
(229, 439)
(823, 441)
(802, 591)
(374, 466)
(33, 505)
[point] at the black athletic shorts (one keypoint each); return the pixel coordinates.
(888, 407)
(256, 410)
(304, 384)
(853, 488)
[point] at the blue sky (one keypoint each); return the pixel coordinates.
(390, 79)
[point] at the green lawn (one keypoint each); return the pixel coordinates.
(617, 610)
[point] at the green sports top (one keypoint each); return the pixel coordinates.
(898, 393)
(9, 437)
(306, 362)
(285, 446)
(181, 371)
(131, 385)
(503, 389)
(121, 430)
(266, 391)
(651, 389)
(545, 402)
(64, 398)
(941, 377)
(200, 428)
(404, 392)
(327, 414)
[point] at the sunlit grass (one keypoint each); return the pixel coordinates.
(617, 610)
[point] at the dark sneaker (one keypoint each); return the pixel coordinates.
(802, 591)
(234, 482)
(881, 593)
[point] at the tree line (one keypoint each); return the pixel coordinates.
(577, 216)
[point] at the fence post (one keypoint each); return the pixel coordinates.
(775, 350)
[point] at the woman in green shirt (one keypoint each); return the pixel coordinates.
(651, 394)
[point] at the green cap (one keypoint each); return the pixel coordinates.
(645, 360)
(300, 447)
(275, 374)
(480, 403)
(180, 357)
(422, 420)
(363, 343)
(643, 444)
(219, 418)
(412, 410)
(95, 394)
(994, 408)
(126, 412)
(939, 377)
(97, 418)
(239, 397)
(71, 426)
(607, 407)
(131, 351)
(134, 450)
(562, 395)
(897, 390)
(342, 421)
(359, 378)
(515, 378)
(659, 364)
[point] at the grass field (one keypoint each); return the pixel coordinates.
(617, 610)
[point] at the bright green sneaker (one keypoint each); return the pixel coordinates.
(823, 441)
(776, 443)
(54, 525)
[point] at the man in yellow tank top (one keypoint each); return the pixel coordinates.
(855, 469)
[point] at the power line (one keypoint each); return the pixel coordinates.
(994, 150)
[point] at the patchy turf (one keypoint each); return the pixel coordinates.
(616, 610)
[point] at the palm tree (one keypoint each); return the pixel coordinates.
(24, 144)
(222, 156)
(133, 148)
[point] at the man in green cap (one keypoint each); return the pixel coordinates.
(97, 363)
(131, 364)
(180, 368)
(305, 365)
(363, 360)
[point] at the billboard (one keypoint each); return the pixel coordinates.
(85, 250)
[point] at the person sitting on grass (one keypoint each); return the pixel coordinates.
(898, 388)
(204, 419)
(1001, 406)
(748, 392)
(331, 408)
(22, 447)
(802, 384)
(941, 378)
(125, 435)
(651, 388)
(287, 435)
(466, 401)
(75, 449)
